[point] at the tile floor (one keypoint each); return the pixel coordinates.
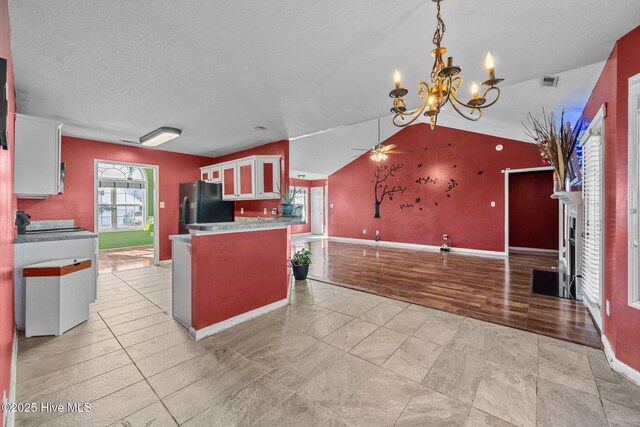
(122, 259)
(334, 357)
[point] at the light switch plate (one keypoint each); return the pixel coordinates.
(161, 205)
(607, 307)
(331, 205)
(364, 231)
(241, 211)
(493, 204)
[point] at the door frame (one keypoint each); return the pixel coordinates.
(311, 209)
(508, 172)
(156, 198)
(634, 185)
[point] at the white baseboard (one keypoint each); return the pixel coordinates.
(416, 246)
(617, 365)
(166, 261)
(9, 417)
(226, 324)
(545, 251)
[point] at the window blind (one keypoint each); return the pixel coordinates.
(592, 196)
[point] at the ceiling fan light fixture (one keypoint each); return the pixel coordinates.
(160, 136)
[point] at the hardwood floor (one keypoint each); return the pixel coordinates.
(487, 288)
(122, 259)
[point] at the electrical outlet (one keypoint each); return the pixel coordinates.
(241, 211)
(265, 211)
(377, 232)
(493, 204)
(364, 231)
(274, 211)
(330, 205)
(161, 205)
(607, 307)
(445, 236)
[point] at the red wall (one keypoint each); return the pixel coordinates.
(7, 206)
(307, 183)
(254, 274)
(443, 153)
(253, 208)
(533, 214)
(77, 202)
(622, 327)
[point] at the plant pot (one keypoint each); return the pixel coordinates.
(300, 271)
(286, 209)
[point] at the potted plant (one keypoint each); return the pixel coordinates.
(300, 264)
(287, 206)
(556, 144)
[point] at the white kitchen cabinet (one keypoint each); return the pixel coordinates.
(37, 157)
(211, 174)
(248, 178)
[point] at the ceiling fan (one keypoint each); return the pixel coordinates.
(380, 152)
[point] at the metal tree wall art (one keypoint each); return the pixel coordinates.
(381, 186)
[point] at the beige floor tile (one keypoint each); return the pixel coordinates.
(145, 334)
(332, 387)
(30, 347)
(143, 322)
(564, 406)
(430, 408)
(110, 408)
(299, 316)
(379, 401)
(326, 324)
(58, 380)
(281, 348)
(600, 366)
(620, 415)
(623, 392)
(300, 367)
(414, 358)
(208, 364)
(507, 394)
(456, 374)
(379, 346)
(437, 329)
(407, 322)
(475, 336)
(210, 389)
(174, 356)
(381, 314)
(567, 360)
(477, 418)
(349, 335)
(154, 415)
(515, 349)
(132, 315)
(42, 363)
(158, 344)
(129, 308)
(85, 391)
(295, 411)
(560, 374)
(243, 407)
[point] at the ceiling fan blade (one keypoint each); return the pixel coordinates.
(360, 149)
(390, 146)
(399, 152)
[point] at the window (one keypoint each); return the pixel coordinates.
(634, 191)
(122, 197)
(301, 199)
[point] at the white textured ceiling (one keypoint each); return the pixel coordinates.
(113, 70)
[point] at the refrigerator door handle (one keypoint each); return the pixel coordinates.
(185, 211)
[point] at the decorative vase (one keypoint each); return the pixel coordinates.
(287, 209)
(300, 271)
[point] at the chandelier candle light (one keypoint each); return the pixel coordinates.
(443, 87)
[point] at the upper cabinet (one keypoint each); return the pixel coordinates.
(37, 157)
(249, 178)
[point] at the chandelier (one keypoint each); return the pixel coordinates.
(443, 87)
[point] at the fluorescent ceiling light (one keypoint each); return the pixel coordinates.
(160, 136)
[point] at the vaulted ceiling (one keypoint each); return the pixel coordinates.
(116, 70)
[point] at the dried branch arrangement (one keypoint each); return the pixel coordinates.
(556, 145)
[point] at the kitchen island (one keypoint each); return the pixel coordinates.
(229, 272)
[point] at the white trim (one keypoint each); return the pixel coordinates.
(156, 201)
(416, 246)
(617, 365)
(9, 421)
(633, 205)
(241, 230)
(165, 262)
(545, 251)
(508, 171)
(226, 324)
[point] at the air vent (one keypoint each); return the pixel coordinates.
(549, 81)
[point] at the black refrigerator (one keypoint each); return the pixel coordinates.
(201, 202)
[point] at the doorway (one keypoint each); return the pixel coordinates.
(126, 215)
(317, 210)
